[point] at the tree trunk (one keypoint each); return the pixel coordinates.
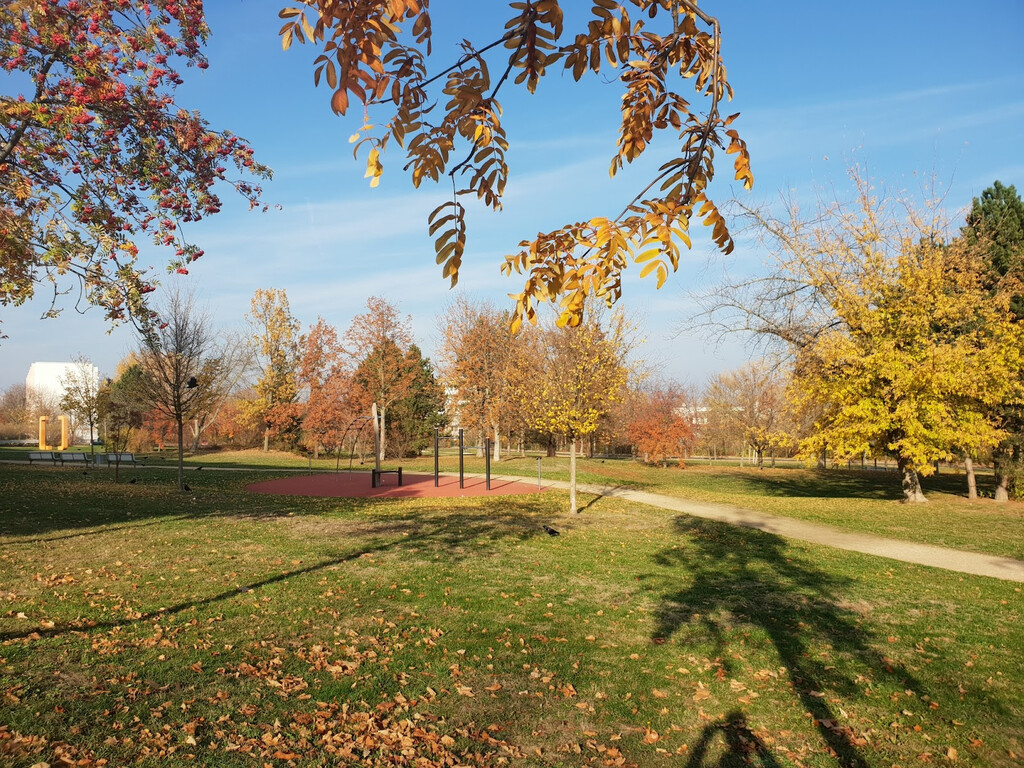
(382, 441)
(912, 492)
(1000, 459)
(181, 455)
(266, 439)
(1002, 487)
(972, 486)
(497, 444)
(551, 447)
(572, 476)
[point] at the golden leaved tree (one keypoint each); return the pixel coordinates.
(899, 345)
(750, 404)
(276, 352)
(375, 53)
(585, 375)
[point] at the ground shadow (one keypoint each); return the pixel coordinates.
(748, 577)
(38, 501)
(469, 531)
(742, 747)
(852, 484)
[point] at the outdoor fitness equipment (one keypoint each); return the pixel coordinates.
(462, 474)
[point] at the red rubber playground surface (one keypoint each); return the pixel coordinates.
(357, 485)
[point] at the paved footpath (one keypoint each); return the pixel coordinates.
(1005, 568)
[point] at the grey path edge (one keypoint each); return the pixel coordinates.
(974, 563)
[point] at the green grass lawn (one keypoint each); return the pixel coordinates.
(863, 501)
(220, 628)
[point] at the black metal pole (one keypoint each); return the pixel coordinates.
(487, 462)
(461, 483)
(435, 456)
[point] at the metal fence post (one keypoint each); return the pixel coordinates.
(461, 459)
(487, 462)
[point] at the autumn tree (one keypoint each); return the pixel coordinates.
(586, 373)
(327, 381)
(995, 224)
(896, 340)
(235, 356)
(448, 121)
(121, 408)
(480, 359)
(81, 385)
(659, 425)
(376, 342)
(96, 154)
(414, 417)
(181, 365)
(15, 414)
(750, 404)
(275, 352)
(995, 227)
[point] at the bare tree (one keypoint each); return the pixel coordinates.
(81, 385)
(120, 405)
(15, 414)
(181, 364)
(235, 356)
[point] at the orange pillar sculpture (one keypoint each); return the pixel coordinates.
(42, 433)
(65, 433)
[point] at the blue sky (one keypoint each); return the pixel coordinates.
(917, 91)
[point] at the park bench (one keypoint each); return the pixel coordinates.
(42, 456)
(375, 476)
(120, 458)
(71, 457)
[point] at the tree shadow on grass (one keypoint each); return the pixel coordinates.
(852, 484)
(824, 484)
(743, 748)
(38, 501)
(455, 534)
(748, 577)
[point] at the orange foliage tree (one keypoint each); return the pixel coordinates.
(482, 364)
(330, 402)
(659, 427)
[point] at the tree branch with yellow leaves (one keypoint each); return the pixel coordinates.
(376, 52)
